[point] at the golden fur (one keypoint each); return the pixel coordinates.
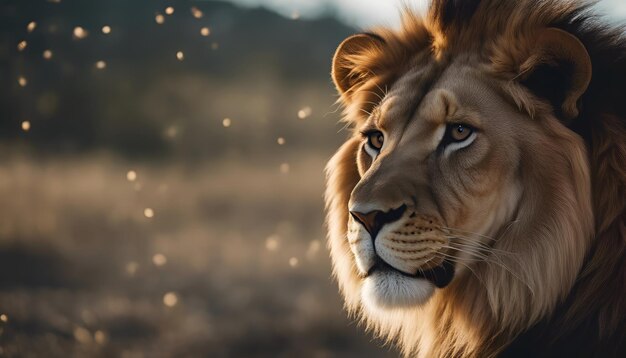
(549, 260)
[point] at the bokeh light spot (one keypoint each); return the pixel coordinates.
(159, 259)
(314, 248)
(131, 268)
(170, 299)
(82, 335)
(131, 175)
(100, 337)
(305, 112)
(148, 212)
(197, 13)
(293, 262)
(272, 243)
(80, 33)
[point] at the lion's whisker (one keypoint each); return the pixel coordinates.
(488, 260)
(455, 260)
(481, 246)
(366, 112)
(375, 94)
(468, 232)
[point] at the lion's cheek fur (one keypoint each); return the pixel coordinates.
(341, 176)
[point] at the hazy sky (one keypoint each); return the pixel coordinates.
(366, 13)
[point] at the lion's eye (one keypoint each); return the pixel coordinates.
(375, 140)
(458, 132)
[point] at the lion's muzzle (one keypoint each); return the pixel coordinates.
(412, 244)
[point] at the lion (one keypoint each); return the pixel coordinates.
(477, 208)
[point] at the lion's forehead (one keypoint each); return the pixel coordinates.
(423, 100)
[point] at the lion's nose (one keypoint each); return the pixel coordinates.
(374, 220)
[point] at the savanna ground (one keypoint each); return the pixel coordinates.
(158, 206)
(232, 262)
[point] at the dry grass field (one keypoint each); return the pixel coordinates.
(228, 260)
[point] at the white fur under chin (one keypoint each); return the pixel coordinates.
(388, 290)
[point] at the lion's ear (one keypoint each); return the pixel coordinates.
(350, 63)
(558, 69)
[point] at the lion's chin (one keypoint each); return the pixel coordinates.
(389, 289)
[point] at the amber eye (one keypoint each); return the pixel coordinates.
(459, 132)
(375, 140)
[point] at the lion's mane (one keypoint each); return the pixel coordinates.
(473, 319)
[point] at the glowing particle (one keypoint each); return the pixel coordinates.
(106, 29)
(170, 299)
(271, 244)
(21, 46)
(226, 122)
(293, 262)
(100, 337)
(280, 140)
(4, 318)
(101, 65)
(131, 268)
(305, 112)
(171, 132)
(82, 335)
(31, 26)
(131, 175)
(314, 248)
(284, 168)
(295, 15)
(160, 19)
(197, 13)
(26, 126)
(180, 55)
(80, 33)
(148, 212)
(205, 31)
(159, 260)
(22, 81)
(47, 54)
(169, 10)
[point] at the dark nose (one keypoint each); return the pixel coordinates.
(373, 221)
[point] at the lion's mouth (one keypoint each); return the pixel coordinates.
(440, 276)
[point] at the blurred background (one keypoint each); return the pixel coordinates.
(161, 177)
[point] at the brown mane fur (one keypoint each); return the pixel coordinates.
(501, 32)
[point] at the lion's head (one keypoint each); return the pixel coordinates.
(461, 209)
